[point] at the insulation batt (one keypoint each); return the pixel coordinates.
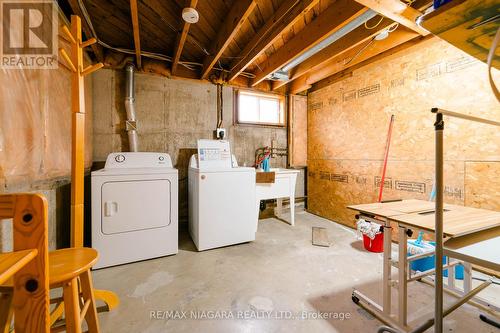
(369, 229)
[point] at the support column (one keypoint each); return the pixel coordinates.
(438, 309)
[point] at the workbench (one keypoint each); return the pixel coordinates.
(412, 216)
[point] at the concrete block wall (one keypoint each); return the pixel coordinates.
(172, 115)
(57, 192)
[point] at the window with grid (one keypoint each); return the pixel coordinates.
(259, 108)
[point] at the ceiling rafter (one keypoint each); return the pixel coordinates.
(351, 40)
(238, 13)
(284, 17)
(96, 48)
(342, 74)
(134, 13)
(181, 38)
(332, 19)
(338, 63)
(398, 12)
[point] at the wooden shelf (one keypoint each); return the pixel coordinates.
(12, 262)
(463, 23)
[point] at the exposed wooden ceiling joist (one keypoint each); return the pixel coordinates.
(338, 63)
(398, 12)
(96, 48)
(332, 19)
(285, 16)
(181, 38)
(344, 73)
(239, 12)
(135, 25)
(356, 37)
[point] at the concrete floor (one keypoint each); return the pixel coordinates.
(280, 273)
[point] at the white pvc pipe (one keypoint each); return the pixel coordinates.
(465, 116)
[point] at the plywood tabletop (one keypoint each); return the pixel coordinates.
(457, 220)
(394, 208)
(480, 248)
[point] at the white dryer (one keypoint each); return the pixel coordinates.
(134, 208)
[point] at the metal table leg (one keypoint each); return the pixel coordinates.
(386, 279)
(403, 277)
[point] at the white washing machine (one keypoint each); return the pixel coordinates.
(221, 197)
(134, 208)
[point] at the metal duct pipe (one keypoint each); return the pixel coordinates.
(131, 125)
(369, 14)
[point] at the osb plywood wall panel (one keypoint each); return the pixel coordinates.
(35, 126)
(298, 131)
(348, 123)
(482, 185)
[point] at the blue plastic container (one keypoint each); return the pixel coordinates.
(427, 263)
(439, 3)
(266, 165)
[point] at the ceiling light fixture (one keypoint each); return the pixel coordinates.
(190, 15)
(382, 35)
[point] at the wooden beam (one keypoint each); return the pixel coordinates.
(348, 71)
(351, 58)
(96, 48)
(137, 38)
(285, 16)
(398, 12)
(239, 12)
(181, 38)
(333, 18)
(353, 39)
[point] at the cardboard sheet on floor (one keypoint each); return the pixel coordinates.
(320, 237)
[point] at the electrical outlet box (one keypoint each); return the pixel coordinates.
(220, 133)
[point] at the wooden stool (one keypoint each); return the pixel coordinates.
(69, 269)
(66, 268)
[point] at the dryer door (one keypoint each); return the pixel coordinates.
(135, 205)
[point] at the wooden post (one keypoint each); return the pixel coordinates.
(78, 135)
(78, 139)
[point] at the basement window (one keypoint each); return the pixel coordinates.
(259, 108)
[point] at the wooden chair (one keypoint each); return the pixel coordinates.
(68, 269)
(27, 265)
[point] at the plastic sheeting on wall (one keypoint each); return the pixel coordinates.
(35, 125)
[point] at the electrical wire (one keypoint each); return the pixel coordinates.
(360, 51)
(376, 24)
(393, 28)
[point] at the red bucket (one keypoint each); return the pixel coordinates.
(374, 245)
